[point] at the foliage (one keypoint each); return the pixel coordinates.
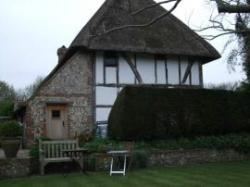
(34, 150)
(140, 159)
(244, 87)
(10, 129)
(6, 107)
(7, 97)
(6, 91)
(102, 145)
(145, 113)
(238, 142)
(230, 86)
(85, 137)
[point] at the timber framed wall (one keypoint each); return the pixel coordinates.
(157, 70)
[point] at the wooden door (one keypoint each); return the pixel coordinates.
(57, 127)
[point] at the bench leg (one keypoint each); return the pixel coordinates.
(42, 167)
(124, 167)
(111, 166)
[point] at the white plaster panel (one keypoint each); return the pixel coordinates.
(102, 114)
(161, 72)
(105, 95)
(195, 74)
(111, 73)
(99, 68)
(126, 75)
(184, 65)
(173, 71)
(146, 68)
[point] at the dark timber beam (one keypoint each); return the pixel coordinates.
(188, 71)
(132, 66)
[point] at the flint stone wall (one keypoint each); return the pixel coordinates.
(14, 168)
(72, 84)
(169, 158)
(195, 156)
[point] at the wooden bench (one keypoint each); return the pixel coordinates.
(53, 152)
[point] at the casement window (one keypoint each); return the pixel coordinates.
(110, 68)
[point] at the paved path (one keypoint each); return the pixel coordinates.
(23, 153)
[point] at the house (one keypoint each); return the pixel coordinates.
(79, 93)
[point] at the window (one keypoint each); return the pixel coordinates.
(110, 59)
(56, 114)
(110, 68)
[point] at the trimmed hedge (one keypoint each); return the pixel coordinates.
(146, 113)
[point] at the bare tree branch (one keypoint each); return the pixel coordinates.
(153, 21)
(151, 6)
(224, 7)
(212, 37)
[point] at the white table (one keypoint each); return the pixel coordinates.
(121, 153)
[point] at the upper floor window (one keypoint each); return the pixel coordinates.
(110, 68)
(110, 59)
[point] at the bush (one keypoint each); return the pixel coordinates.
(145, 113)
(34, 151)
(140, 159)
(6, 107)
(102, 145)
(238, 142)
(10, 129)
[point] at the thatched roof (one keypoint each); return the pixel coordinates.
(167, 36)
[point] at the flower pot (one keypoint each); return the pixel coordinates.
(10, 147)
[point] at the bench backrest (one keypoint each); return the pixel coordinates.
(54, 149)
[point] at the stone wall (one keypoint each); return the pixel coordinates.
(71, 84)
(13, 168)
(178, 158)
(185, 157)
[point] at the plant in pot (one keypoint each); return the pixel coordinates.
(10, 134)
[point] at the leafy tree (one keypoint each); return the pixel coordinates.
(7, 98)
(6, 91)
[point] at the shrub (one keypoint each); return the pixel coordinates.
(102, 145)
(6, 107)
(10, 129)
(34, 151)
(140, 159)
(238, 142)
(146, 113)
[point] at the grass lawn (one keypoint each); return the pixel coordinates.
(235, 174)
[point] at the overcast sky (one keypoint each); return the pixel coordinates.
(32, 31)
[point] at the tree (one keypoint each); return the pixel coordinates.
(25, 93)
(240, 29)
(7, 98)
(6, 91)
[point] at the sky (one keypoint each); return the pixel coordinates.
(32, 31)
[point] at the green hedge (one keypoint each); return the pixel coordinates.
(10, 129)
(238, 142)
(146, 113)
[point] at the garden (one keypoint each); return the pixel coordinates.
(216, 175)
(178, 139)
